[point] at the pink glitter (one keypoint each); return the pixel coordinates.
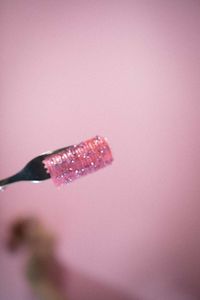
(78, 160)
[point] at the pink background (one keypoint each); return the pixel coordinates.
(129, 70)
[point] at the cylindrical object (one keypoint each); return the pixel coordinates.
(78, 160)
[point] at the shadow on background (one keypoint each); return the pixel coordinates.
(83, 287)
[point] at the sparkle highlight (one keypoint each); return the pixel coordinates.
(78, 160)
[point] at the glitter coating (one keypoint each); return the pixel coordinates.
(78, 160)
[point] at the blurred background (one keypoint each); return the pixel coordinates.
(130, 71)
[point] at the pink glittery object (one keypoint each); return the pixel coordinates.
(78, 160)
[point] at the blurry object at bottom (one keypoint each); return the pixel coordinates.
(43, 271)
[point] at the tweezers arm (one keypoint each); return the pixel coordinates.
(17, 177)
